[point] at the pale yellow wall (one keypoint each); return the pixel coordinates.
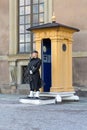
(4, 42)
(74, 13)
(71, 12)
(4, 27)
(48, 7)
(13, 26)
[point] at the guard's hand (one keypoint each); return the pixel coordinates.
(31, 72)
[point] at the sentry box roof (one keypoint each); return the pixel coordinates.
(51, 25)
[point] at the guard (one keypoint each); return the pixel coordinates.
(33, 75)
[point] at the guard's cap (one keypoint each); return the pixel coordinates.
(35, 51)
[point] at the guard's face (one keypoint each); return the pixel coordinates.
(34, 55)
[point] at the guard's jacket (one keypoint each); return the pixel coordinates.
(34, 78)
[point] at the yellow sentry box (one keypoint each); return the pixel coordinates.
(57, 38)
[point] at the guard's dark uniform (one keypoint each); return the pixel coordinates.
(34, 78)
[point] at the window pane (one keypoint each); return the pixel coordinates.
(33, 37)
(41, 23)
(27, 36)
(35, 1)
(41, 8)
(23, 74)
(21, 28)
(34, 46)
(26, 27)
(27, 19)
(21, 48)
(21, 10)
(21, 38)
(41, 18)
(27, 10)
(35, 8)
(21, 2)
(35, 24)
(27, 2)
(35, 18)
(21, 19)
(28, 47)
(41, 1)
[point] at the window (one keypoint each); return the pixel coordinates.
(64, 47)
(31, 13)
(23, 73)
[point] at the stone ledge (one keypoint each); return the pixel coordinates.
(81, 93)
(18, 57)
(23, 89)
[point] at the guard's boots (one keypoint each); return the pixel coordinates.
(31, 95)
(37, 95)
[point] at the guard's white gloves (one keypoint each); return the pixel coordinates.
(31, 72)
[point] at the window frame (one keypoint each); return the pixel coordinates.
(32, 23)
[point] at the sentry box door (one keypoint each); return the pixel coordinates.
(46, 64)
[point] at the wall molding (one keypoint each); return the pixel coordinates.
(79, 54)
(3, 58)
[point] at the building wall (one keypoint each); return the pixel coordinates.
(73, 13)
(80, 72)
(70, 12)
(16, 60)
(4, 26)
(4, 42)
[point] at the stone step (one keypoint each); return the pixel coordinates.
(41, 101)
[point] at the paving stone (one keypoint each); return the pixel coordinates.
(64, 116)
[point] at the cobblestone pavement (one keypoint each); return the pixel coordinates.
(64, 116)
